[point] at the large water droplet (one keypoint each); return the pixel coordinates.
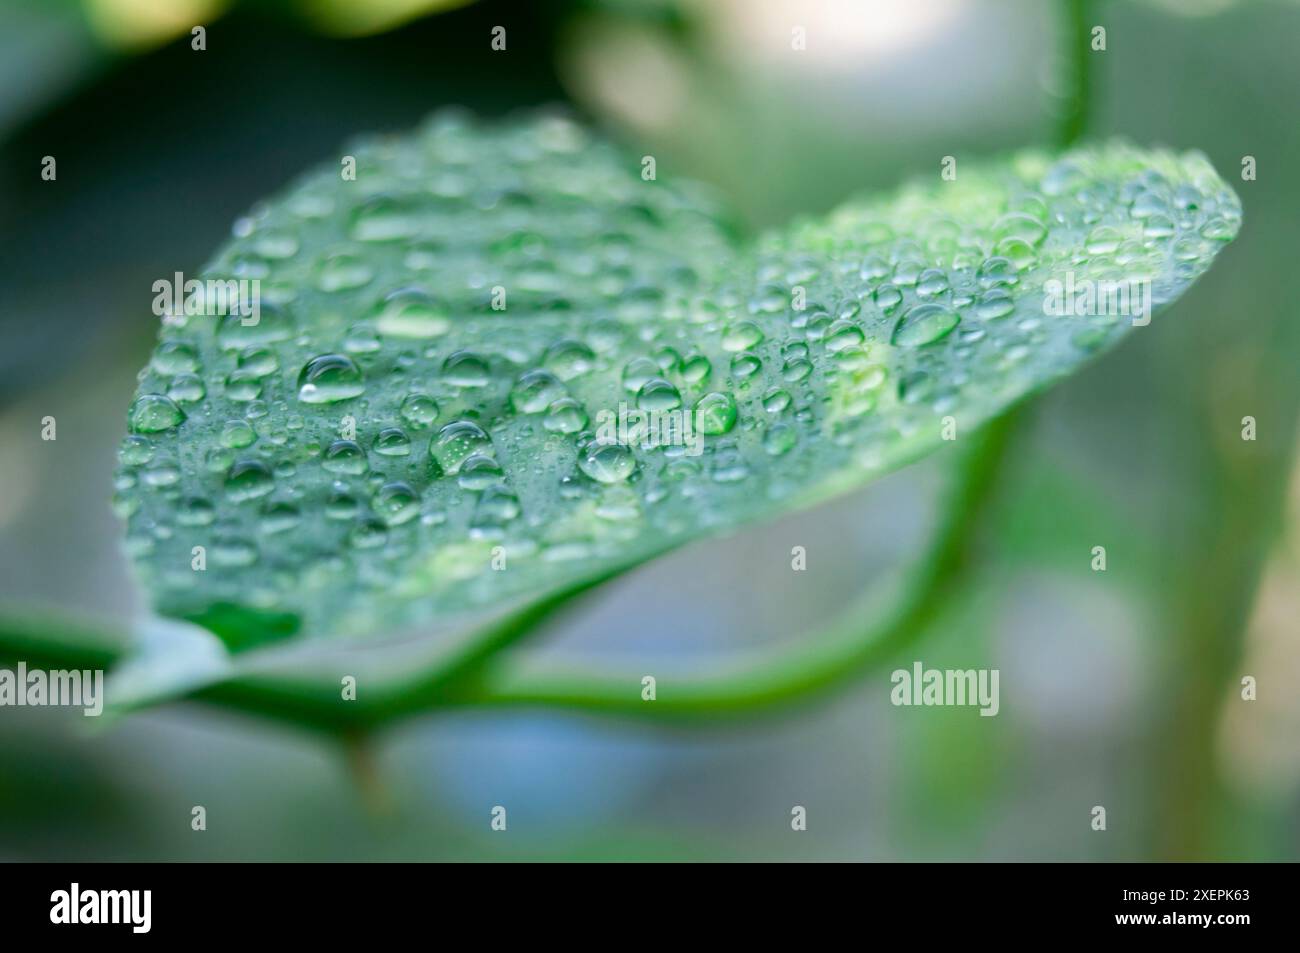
(279, 517)
(238, 434)
(887, 297)
(873, 268)
(135, 451)
(242, 386)
(779, 439)
(258, 361)
(187, 388)
(195, 511)
(392, 442)
(275, 245)
(396, 503)
(368, 534)
(535, 391)
(997, 271)
(715, 413)
(696, 369)
(478, 472)
(745, 366)
(569, 359)
(238, 331)
(342, 272)
(728, 466)
(330, 378)
(994, 303)
(658, 394)
(154, 413)
(607, 463)
(1103, 240)
(419, 410)
(843, 334)
(1019, 252)
(497, 505)
(774, 402)
(742, 336)
(455, 442)
(1022, 227)
(931, 283)
(1064, 177)
(566, 415)
(345, 457)
(1219, 229)
(384, 218)
(466, 369)
(175, 357)
(924, 324)
(232, 551)
(248, 480)
(796, 369)
(412, 314)
(637, 372)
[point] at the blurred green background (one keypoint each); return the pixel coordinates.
(1118, 688)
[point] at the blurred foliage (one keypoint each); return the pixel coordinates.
(1127, 680)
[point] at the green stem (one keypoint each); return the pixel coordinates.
(313, 706)
(364, 771)
(819, 663)
(1221, 567)
(483, 679)
(49, 639)
(1076, 54)
(52, 640)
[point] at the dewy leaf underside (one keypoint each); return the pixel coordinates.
(422, 424)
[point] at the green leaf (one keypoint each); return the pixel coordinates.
(475, 307)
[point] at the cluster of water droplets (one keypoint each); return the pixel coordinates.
(444, 344)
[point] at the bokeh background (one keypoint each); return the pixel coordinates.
(1118, 688)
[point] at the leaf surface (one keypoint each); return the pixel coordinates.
(436, 412)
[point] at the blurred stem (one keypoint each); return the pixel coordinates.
(818, 663)
(46, 638)
(484, 678)
(1218, 573)
(364, 770)
(1076, 56)
(317, 707)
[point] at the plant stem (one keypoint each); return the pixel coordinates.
(365, 774)
(819, 662)
(1208, 617)
(48, 639)
(1076, 56)
(484, 679)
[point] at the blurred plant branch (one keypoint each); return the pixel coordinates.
(820, 662)
(1076, 58)
(845, 648)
